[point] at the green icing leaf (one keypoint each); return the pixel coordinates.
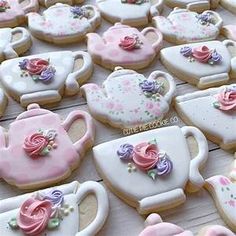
(154, 141)
(216, 105)
(13, 223)
(152, 174)
(45, 151)
(53, 223)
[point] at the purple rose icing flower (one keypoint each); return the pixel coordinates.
(151, 86)
(186, 51)
(23, 64)
(164, 166)
(204, 18)
(125, 151)
(215, 57)
(56, 197)
(77, 11)
(47, 74)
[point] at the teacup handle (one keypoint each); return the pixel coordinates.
(196, 180)
(71, 83)
(96, 19)
(157, 8)
(218, 20)
(88, 137)
(169, 95)
(91, 187)
(31, 7)
(155, 45)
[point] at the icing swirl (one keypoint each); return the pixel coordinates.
(202, 54)
(56, 197)
(164, 166)
(34, 216)
(186, 51)
(145, 155)
(36, 66)
(78, 12)
(125, 151)
(215, 57)
(130, 42)
(47, 74)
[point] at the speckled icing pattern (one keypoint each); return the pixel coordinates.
(110, 101)
(199, 110)
(184, 27)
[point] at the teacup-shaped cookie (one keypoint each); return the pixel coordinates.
(122, 45)
(55, 211)
(150, 170)
(229, 5)
(77, 21)
(45, 78)
(134, 13)
(127, 98)
(204, 64)
(49, 3)
(213, 111)
(184, 26)
(13, 12)
(39, 141)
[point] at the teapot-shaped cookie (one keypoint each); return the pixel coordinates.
(133, 13)
(125, 46)
(230, 5)
(203, 64)
(127, 98)
(45, 78)
(77, 21)
(28, 214)
(184, 26)
(13, 12)
(156, 163)
(13, 42)
(38, 142)
(193, 5)
(49, 3)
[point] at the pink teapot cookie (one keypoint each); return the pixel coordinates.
(55, 211)
(49, 3)
(77, 22)
(152, 164)
(122, 45)
(204, 64)
(13, 12)
(128, 98)
(193, 5)
(45, 78)
(134, 13)
(213, 111)
(38, 141)
(184, 26)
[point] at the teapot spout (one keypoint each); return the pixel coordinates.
(36, 22)
(95, 43)
(163, 24)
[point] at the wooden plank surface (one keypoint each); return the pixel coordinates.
(199, 209)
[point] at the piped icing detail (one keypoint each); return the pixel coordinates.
(147, 157)
(40, 212)
(205, 18)
(40, 143)
(152, 88)
(134, 1)
(79, 13)
(130, 42)
(38, 69)
(4, 6)
(226, 99)
(201, 54)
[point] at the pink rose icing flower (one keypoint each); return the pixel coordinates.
(4, 5)
(202, 54)
(226, 100)
(34, 216)
(130, 42)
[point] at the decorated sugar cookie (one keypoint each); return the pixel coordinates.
(229, 31)
(184, 26)
(213, 111)
(134, 12)
(215, 230)
(230, 5)
(233, 172)
(3, 102)
(223, 192)
(45, 78)
(13, 42)
(122, 45)
(148, 98)
(55, 211)
(48, 3)
(38, 141)
(152, 164)
(204, 64)
(13, 12)
(77, 21)
(193, 5)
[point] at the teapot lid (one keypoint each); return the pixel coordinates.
(33, 110)
(119, 26)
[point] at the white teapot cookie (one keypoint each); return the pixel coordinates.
(14, 42)
(184, 26)
(134, 13)
(127, 98)
(230, 5)
(204, 64)
(77, 22)
(45, 78)
(55, 211)
(194, 5)
(213, 111)
(49, 3)
(150, 170)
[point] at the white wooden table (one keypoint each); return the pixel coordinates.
(199, 209)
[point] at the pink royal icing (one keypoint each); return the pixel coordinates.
(36, 66)
(130, 42)
(202, 54)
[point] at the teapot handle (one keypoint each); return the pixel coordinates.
(88, 137)
(96, 19)
(158, 43)
(157, 8)
(71, 83)
(33, 6)
(196, 180)
(218, 20)
(92, 187)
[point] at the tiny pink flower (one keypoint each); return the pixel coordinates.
(224, 181)
(232, 203)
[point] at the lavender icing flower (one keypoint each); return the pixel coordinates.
(204, 18)
(215, 57)
(23, 64)
(77, 11)
(186, 51)
(56, 197)
(151, 86)
(164, 166)
(125, 151)
(47, 74)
